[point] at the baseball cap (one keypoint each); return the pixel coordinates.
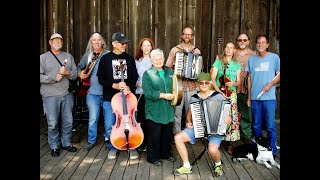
(118, 36)
(204, 77)
(56, 35)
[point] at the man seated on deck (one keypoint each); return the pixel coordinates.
(188, 135)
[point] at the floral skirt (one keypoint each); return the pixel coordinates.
(233, 131)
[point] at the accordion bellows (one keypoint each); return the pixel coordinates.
(208, 117)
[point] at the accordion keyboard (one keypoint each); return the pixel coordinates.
(197, 116)
(178, 67)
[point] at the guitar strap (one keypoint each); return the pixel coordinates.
(93, 64)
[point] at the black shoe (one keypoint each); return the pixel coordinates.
(88, 146)
(70, 148)
(55, 152)
(171, 159)
(157, 163)
(144, 149)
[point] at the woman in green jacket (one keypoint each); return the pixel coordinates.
(157, 88)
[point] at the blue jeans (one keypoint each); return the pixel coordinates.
(109, 121)
(93, 103)
(55, 106)
(265, 110)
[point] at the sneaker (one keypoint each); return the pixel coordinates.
(112, 154)
(217, 169)
(183, 170)
(88, 146)
(133, 154)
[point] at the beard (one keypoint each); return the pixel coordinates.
(57, 47)
(186, 40)
(242, 46)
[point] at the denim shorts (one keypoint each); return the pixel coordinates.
(216, 139)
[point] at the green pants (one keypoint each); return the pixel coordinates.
(246, 119)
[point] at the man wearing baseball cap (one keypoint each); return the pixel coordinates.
(118, 36)
(56, 35)
(57, 68)
(111, 68)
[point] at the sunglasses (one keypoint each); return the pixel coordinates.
(205, 82)
(242, 40)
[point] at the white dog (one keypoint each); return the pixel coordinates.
(265, 155)
(259, 151)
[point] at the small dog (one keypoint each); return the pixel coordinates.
(245, 151)
(259, 150)
(265, 155)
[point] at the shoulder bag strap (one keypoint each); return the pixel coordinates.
(56, 58)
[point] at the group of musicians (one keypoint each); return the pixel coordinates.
(159, 90)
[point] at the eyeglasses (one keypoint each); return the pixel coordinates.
(204, 83)
(242, 40)
(187, 34)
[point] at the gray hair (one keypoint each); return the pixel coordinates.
(89, 46)
(156, 52)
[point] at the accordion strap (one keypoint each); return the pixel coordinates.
(198, 97)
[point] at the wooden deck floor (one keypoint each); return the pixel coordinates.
(95, 164)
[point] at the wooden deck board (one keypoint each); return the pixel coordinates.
(95, 164)
(144, 167)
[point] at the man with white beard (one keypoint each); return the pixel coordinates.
(56, 69)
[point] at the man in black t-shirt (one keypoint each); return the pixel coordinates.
(112, 68)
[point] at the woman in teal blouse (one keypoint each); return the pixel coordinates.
(157, 88)
(232, 71)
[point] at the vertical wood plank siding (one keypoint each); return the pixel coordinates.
(162, 20)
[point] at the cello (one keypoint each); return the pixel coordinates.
(126, 133)
(223, 80)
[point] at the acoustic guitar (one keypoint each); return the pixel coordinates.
(85, 83)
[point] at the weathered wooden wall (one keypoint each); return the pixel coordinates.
(162, 20)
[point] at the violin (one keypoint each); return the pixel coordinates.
(126, 133)
(223, 80)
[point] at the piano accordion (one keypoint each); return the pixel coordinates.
(208, 117)
(188, 65)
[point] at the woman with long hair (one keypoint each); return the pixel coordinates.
(225, 77)
(143, 63)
